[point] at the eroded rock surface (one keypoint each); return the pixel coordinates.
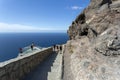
(96, 18)
(95, 42)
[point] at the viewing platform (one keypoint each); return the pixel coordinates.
(28, 50)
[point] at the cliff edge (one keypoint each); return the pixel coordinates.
(94, 42)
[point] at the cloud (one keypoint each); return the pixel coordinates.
(5, 27)
(76, 8)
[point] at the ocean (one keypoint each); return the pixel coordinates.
(11, 42)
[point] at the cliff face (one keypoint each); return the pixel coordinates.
(95, 19)
(95, 42)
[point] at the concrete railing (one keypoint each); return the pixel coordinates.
(17, 68)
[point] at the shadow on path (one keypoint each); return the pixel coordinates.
(41, 72)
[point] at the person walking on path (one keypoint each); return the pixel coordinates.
(60, 49)
(54, 46)
(32, 46)
(20, 50)
(57, 48)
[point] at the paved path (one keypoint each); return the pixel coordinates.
(67, 70)
(41, 72)
(56, 69)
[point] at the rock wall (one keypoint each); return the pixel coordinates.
(16, 69)
(95, 19)
(95, 42)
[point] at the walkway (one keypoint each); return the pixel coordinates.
(56, 69)
(67, 69)
(41, 72)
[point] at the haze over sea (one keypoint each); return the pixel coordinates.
(11, 42)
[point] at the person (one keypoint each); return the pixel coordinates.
(57, 48)
(60, 48)
(32, 46)
(20, 49)
(54, 47)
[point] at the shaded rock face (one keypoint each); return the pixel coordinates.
(95, 42)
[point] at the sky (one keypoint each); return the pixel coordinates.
(39, 15)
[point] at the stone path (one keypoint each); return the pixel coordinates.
(50, 69)
(56, 69)
(41, 72)
(67, 69)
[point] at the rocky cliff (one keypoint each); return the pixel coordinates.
(95, 19)
(95, 42)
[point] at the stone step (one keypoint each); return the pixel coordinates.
(59, 57)
(56, 69)
(53, 76)
(55, 66)
(60, 64)
(57, 61)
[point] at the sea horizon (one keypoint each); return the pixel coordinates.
(11, 42)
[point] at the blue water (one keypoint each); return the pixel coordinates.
(11, 42)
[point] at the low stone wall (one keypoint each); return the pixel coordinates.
(17, 68)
